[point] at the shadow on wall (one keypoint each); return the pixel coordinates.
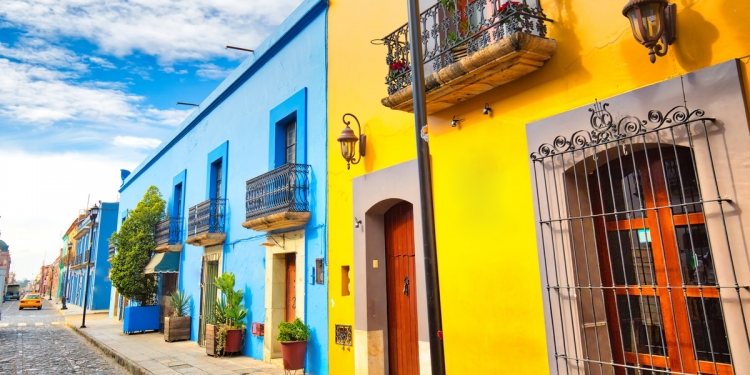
(695, 37)
(568, 55)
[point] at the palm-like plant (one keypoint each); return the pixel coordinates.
(180, 303)
(230, 305)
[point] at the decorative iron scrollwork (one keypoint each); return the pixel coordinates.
(604, 128)
(343, 335)
(453, 29)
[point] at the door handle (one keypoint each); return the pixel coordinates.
(406, 285)
(294, 302)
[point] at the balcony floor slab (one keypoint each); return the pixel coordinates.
(495, 65)
(207, 239)
(281, 220)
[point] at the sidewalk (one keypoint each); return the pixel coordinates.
(149, 354)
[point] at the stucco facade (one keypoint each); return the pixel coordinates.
(236, 135)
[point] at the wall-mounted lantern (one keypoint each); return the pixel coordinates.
(349, 141)
(652, 21)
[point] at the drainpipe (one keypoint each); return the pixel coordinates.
(432, 284)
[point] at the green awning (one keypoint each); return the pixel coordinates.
(163, 263)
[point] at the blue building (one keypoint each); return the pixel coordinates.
(92, 237)
(245, 181)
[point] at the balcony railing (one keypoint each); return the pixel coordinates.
(206, 218)
(80, 259)
(284, 189)
(110, 252)
(278, 199)
(168, 232)
(453, 30)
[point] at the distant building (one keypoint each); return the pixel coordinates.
(91, 245)
(5, 261)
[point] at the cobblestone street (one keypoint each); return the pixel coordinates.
(38, 342)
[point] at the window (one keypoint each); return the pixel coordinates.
(628, 258)
(216, 174)
(177, 209)
(291, 142)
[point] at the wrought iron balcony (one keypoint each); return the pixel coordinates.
(110, 252)
(80, 260)
(206, 223)
(278, 199)
(168, 234)
(469, 47)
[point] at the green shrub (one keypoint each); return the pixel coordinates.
(295, 331)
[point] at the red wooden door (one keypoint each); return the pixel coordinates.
(403, 349)
(291, 287)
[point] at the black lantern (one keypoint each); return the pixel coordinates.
(94, 212)
(652, 21)
(349, 140)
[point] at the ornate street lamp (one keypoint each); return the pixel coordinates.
(93, 213)
(349, 141)
(652, 21)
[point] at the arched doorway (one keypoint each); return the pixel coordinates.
(403, 346)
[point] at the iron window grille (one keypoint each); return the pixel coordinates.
(639, 270)
(284, 189)
(343, 335)
(207, 217)
(168, 231)
(454, 29)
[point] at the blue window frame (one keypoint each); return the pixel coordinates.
(288, 122)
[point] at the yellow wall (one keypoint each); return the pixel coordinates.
(489, 272)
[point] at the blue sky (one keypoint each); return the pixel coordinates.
(88, 87)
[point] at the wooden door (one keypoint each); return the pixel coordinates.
(290, 311)
(662, 304)
(403, 348)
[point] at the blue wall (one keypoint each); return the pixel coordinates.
(286, 74)
(99, 285)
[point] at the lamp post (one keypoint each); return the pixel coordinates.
(432, 282)
(65, 279)
(94, 213)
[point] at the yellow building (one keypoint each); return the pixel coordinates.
(590, 222)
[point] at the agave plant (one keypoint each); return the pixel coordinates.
(180, 303)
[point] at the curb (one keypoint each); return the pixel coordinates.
(125, 362)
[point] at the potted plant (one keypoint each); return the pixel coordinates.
(230, 309)
(177, 326)
(293, 338)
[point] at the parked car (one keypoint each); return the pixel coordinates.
(30, 300)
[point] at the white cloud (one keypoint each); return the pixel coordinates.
(104, 63)
(39, 95)
(34, 215)
(40, 52)
(169, 29)
(212, 71)
(172, 117)
(135, 142)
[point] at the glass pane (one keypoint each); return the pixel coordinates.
(621, 190)
(644, 333)
(681, 181)
(631, 257)
(709, 336)
(291, 142)
(695, 255)
(644, 370)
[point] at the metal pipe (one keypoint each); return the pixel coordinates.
(432, 284)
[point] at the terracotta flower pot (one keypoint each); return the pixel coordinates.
(233, 341)
(293, 353)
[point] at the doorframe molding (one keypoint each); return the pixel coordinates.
(275, 290)
(373, 195)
